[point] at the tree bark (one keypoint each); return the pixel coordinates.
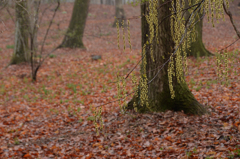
(159, 97)
(21, 46)
(119, 14)
(74, 35)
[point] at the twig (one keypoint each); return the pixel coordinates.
(231, 19)
(45, 37)
(33, 36)
(44, 11)
(234, 26)
(4, 6)
(10, 14)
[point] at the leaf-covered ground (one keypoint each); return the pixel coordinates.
(53, 117)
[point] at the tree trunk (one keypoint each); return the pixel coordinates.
(119, 14)
(159, 97)
(197, 48)
(74, 35)
(21, 46)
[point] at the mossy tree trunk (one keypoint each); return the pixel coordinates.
(74, 35)
(119, 14)
(159, 97)
(197, 48)
(21, 46)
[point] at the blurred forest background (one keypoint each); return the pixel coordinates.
(54, 115)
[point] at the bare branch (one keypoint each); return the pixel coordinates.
(10, 14)
(45, 37)
(231, 19)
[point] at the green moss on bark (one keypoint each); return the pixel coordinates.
(162, 101)
(21, 47)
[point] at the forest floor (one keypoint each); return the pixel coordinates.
(54, 116)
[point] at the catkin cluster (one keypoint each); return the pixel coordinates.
(143, 81)
(123, 34)
(152, 20)
(222, 66)
(184, 29)
(183, 32)
(98, 121)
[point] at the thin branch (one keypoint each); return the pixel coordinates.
(228, 45)
(10, 14)
(234, 26)
(231, 19)
(4, 6)
(33, 36)
(44, 11)
(45, 37)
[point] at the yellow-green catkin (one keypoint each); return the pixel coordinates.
(222, 59)
(226, 66)
(202, 9)
(118, 34)
(217, 10)
(155, 20)
(189, 2)
(143, 81)
(119, 95)
(207, 9)
(187, 48)
(184, 49)
(124, 95)
(152, 20)
(227, 3)
(218, 63)
(222, 66)
(98, 119)
(135, 107)
(134, 82)
(172, 20)
(135, 89)
(129, 35)
(95, 122)
(123, 36)
(212, 11)
(179, 31)
(222, 11)
(170, 75)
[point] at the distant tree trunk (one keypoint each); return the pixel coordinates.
(74, 35)
(197, 48)
(33, 37)
(33, 19)
(21, 46)
(159, 97)
(119, 13)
